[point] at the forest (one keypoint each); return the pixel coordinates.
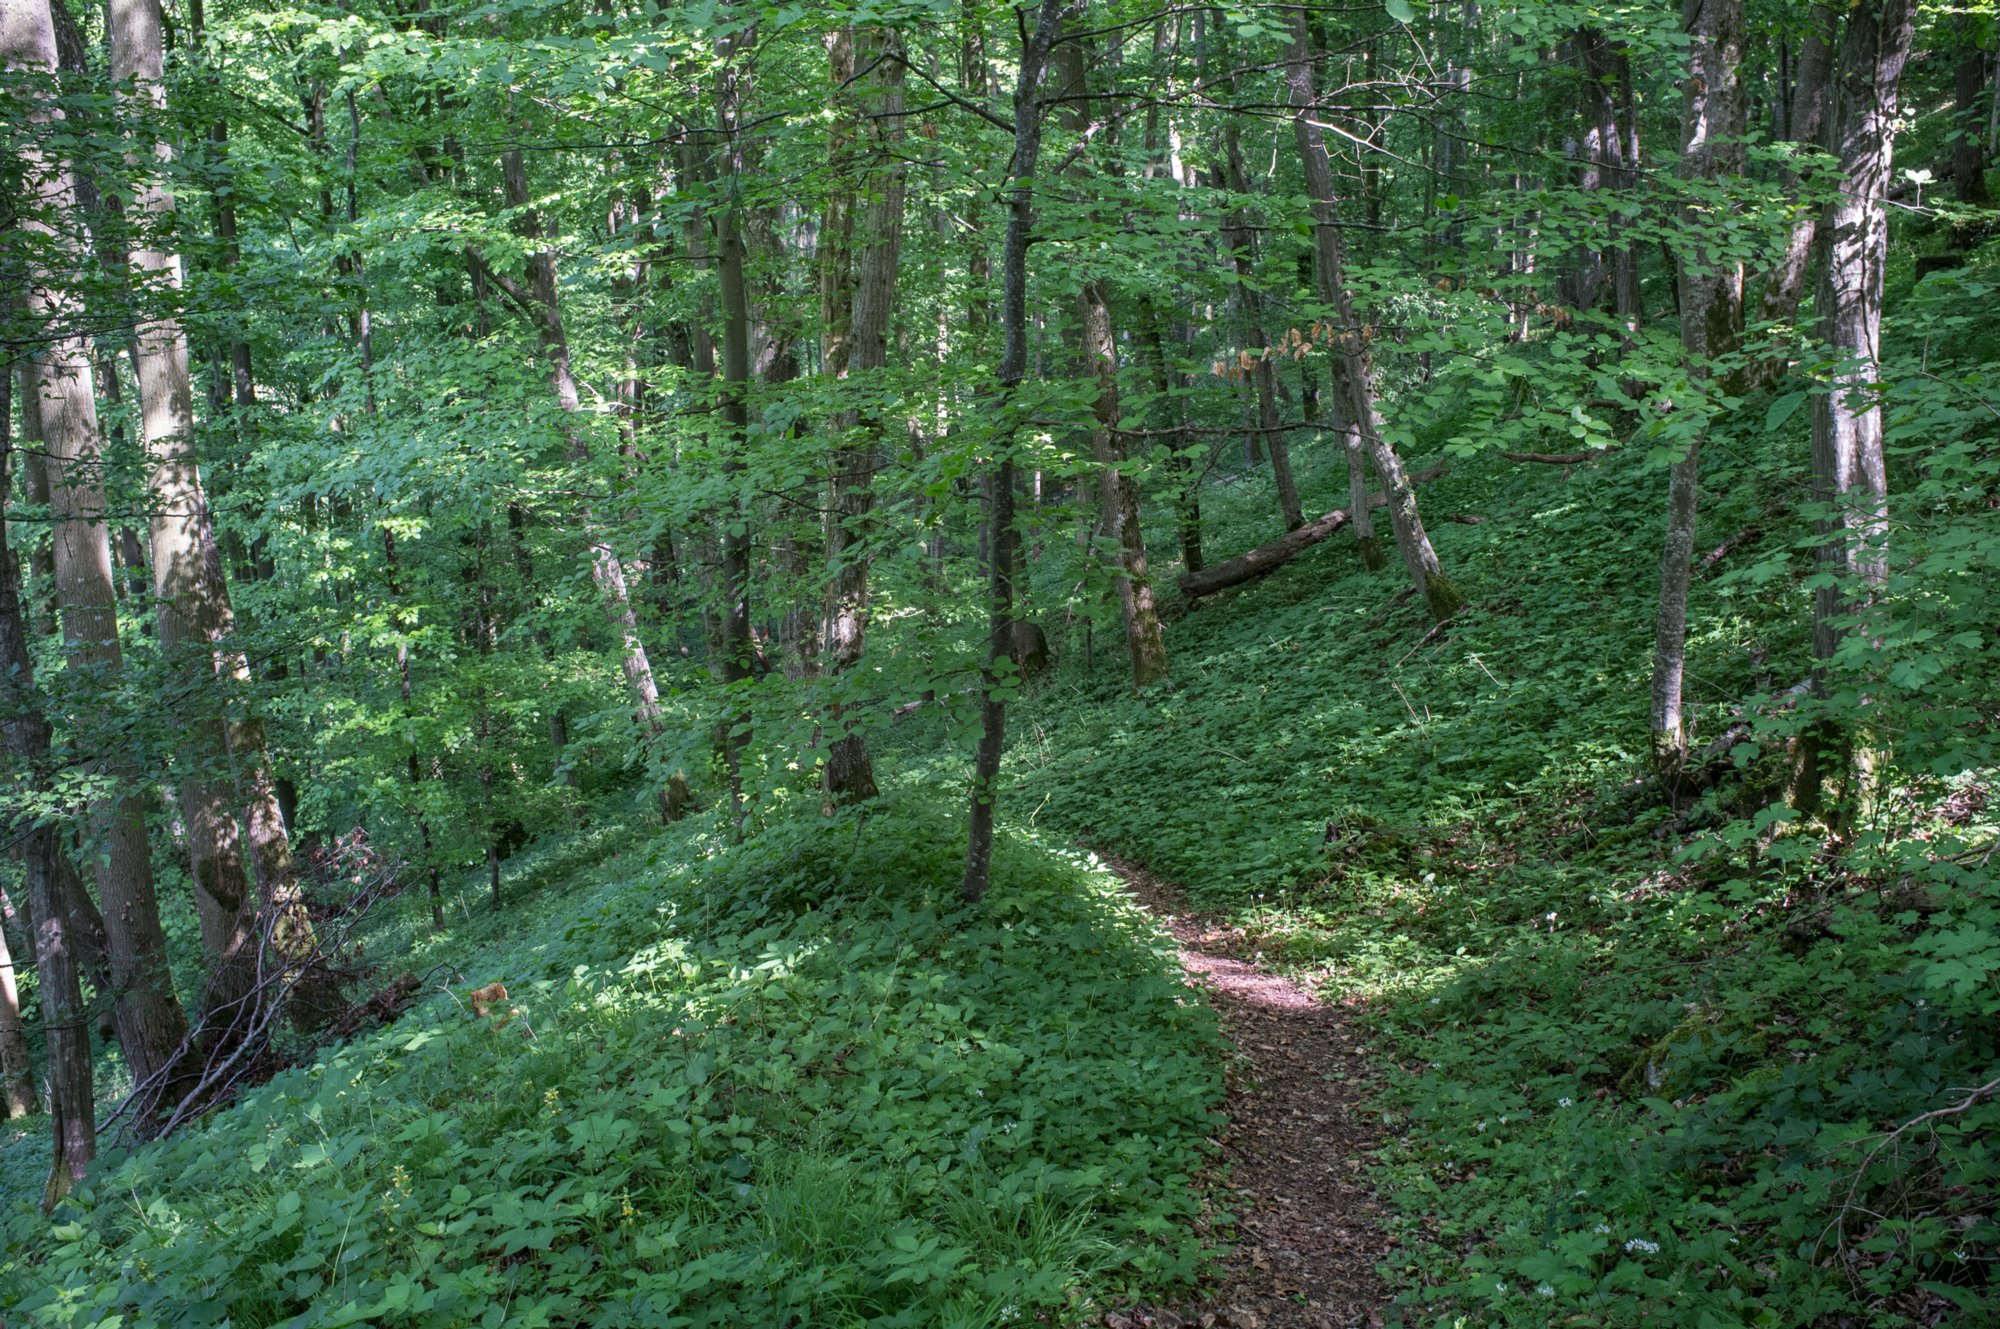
(982, 662)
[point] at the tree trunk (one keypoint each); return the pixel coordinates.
(1237, 236)
(870, 297)
(72, 1095)
(1968, 149)
(1172, 384)
(1849, 469)
(1118, 493)
(190, 594)
(540, 300)
(17, 1068)
(1711, 287)
(1805, 124)
(1001, 535)
(151, 1026)
(733, 289)
(1353, 370)
(1365, 542)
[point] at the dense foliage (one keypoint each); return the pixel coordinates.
(620, 500)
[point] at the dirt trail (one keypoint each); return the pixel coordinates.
(1300, 1130)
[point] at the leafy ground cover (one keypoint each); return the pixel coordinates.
(789, 1081)
(1641, 1055)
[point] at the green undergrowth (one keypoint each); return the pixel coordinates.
(1638, 1057)
(789, 1081)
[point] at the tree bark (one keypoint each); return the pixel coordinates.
(1968, 150)
(1365, 542)
(17, 1069)
(1806, 124)
(151, 1026)
(72, 1094)
(1850, 475)
(1353, 371)
(1236, 235)
(1001, 535)
(1711, 287)
(1118, 493)
(870, 300)
(190, 594)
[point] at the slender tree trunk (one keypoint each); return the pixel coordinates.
(1118, 492)
(738, 649)
(540, 300)
(1613, 136)
(1711, 286)
(1236, 234)
(850, 776)
(1806, 123)
(1186, 480)
(1968, 150)
(72, 1095)
(1365, 542)
(1002, 536)
(1118, 496)
(151, 1026)
(17, 1070)
(1353, 371)
(1850, 476)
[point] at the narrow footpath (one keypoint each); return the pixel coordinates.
(1299, 1135)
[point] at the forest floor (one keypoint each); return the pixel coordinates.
(1299, 1137)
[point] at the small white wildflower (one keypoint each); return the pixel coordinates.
(1602, 1229)
(1565, 1102)
(1499, 1286)
(1640, 1246)
(1503, 1121)
(1481, 1128)
(1544, 1290)
(1010, 1313)
(1437, 1001)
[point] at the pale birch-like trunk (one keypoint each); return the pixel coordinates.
(1850, 473)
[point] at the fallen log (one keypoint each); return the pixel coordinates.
(1556, 458)
(1268, 558)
